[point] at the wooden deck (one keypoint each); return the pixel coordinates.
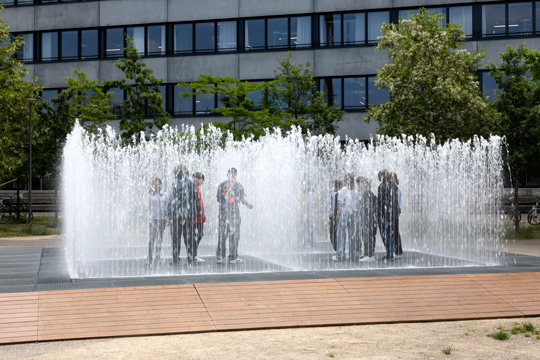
(76, 314)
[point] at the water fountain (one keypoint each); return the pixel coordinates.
(451, 198)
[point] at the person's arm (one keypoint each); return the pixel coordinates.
(245, 202)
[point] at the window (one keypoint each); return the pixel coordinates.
(462, 15)
(488, 85)
(520, 19)
(114, 42)
(47, 95)
(89, 44)
(156, 40)
(332, 90)
(5, 3)
(254, 34)
(70, 45)
(183, 38)
(26, 50)
(204, 103)
(49, 46)
(137, 35)
(493, 20)
(204, 37)
(300, 31)
(354, 93)
(278, 33)
(226, 36)
(182, 106)
(375, 21)
(330, 30)
(376, 96)
(163, 91)
(257, 97)
(117, 102)
(354, 29)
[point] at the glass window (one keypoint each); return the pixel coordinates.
(204, 37)
(114, 42)
(301, 31)
(26, 50)
(117, 102)
(204, 103)
(375, 21)
(47, 95)
(182, 106)
(354, 29)
(254, 34)
(330, 30)
(137, 35)
(493, 20)
(25, 2)
(354, 93)
(183, 38)
(520, 18)
(332, 90)
(7, 2)
(488, 85)
(462, 15)
(70, 45)
(89, 44)
(278, 33)
(156, 40)
(226, 33)
(257, 97)
(376, 96)
(538, 17)
(49, 46)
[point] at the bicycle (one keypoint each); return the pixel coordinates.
(533, 217)
(512, 212)
(10, 210)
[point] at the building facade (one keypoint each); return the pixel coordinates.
(181, 39)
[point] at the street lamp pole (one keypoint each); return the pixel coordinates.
(30, 101)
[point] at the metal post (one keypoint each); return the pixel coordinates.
(30, 167)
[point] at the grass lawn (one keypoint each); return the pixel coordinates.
(41, 225)
(526, 231)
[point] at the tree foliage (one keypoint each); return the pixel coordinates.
(431, 81)
(13, 110)
(142, 90)
(293, 96)
(517, 102)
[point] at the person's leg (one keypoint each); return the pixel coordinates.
(234, 238)
(198, 237)
(388, 229)
(159, 238)
(333, 233)
(175, 235)
(351, 232)
(151, 239)
(189, 235)
(340, 253)
(222, 238)
(397, 236)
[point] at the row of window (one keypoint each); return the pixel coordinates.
(350, 93)
(6, 3)
(286, 32)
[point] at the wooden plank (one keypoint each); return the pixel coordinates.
(18, 317)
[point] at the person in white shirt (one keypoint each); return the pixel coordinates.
(347, 206)
(157, 202)
(332, 217)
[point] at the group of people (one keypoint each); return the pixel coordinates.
(184, 211)
(356, 213)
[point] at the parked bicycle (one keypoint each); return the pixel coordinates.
(10, 210)
(511, 211)
(533, 217)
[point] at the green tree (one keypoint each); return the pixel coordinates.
(233, 95)
(13, 110)
(293, 97)
(143, 90)
(517, 102)
(431, 81)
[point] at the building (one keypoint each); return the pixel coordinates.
(181, 39)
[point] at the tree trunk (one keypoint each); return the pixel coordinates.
(516, 200)
(18, 214)
(56, 203)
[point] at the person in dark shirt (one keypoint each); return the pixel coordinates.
(388, 211)
(182, 211)
(333, 218)
(367, 218)
(230, 194)
(198, 179)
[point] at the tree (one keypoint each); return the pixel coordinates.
(431, 81)
(233, 95)
(517, 102)
(143, 90)
(13, 110)
(293, 97)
